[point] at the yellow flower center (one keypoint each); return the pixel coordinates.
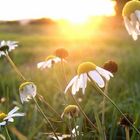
(130, 7)
(24, 84)
(2, 116)
(50, 57)
(86, 67)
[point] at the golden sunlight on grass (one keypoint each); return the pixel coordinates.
(79, 30)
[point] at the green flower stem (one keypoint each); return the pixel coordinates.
(103, 108)
(70, 128)
(63, 71)
(81, 110)
(7, 133)
(104, 102)
(76, 102)
(45, 102)
(14, 66)
(45, 117)
(107, 97)
(127, 133)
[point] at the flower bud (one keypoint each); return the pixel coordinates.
(61, 52)
(111, 66)
(71, 111)
(27, 91)
(123, 122)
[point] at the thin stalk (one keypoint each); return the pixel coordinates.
(63, 71)
(81, 110)
(70, 128)
(15, 67)
(104, 103)
(46, 103)
(107, 97)
(40, 110)
(103, 109)
(127, 133)
(58, 82)
(7, 133)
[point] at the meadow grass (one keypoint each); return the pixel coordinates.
(35, 44)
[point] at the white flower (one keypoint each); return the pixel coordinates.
(48, 63)
(131, 16)
(75, 130)
(88, 69)
(7, 46)
(5, 118)
(27, 91)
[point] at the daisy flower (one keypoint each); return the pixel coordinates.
(97, 74)
(49, 61)
(131, 16)
(5, 118)
(27, 91)
(7, 46)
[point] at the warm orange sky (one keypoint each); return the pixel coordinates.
(55, 9)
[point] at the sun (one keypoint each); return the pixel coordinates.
(75, 11)
(79, 11)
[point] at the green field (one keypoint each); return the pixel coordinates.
(36, 42)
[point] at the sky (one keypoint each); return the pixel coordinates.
(55, 9)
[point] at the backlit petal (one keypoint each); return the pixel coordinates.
(71, 83)
(13, 110)
(95, 76)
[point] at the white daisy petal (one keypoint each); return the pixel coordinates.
(70, 83)
(40, 64)
(10, 120)
(135, 24)
(137, 12)
(128, 25)
(84, 85)
(95, 76)
(133, 19)
(3, 123)
(134, 35)
(75, 86)
(48, 64)
(106, 74)
(13, 110)
(14, 115)
(80, 81)
(56, 59)
(3, 43)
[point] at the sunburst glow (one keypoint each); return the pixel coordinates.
(72, 10)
